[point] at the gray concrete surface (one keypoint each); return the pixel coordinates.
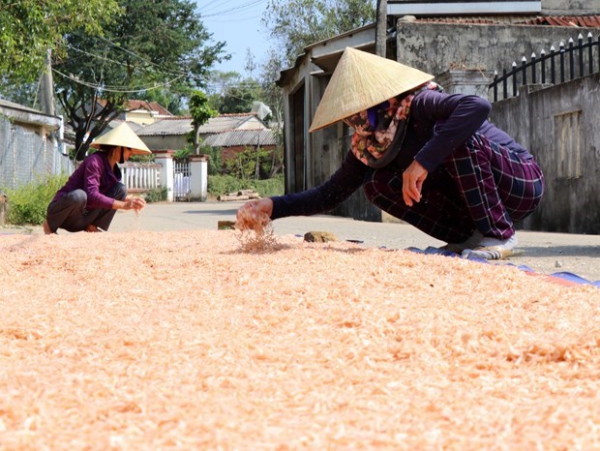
(545, 253)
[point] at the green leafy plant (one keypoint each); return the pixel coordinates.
(156, 195)
(28, 204)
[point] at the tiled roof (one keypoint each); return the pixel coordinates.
(588, 21)
(134, 104)
(567, 21)
(241, 138)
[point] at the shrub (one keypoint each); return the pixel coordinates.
(225, 184)
(28, 204)
(156, 195)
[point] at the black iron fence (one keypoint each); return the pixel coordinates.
(569, 62)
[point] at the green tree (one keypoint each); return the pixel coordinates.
(29, 28)
(153, 45)
(298, 23)
(230, 93)
(273, 97)
(201, 112)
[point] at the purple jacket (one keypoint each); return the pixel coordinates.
(94, 176)
(439, 123)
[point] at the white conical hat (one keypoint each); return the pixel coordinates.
(122, 136)
(362, 80)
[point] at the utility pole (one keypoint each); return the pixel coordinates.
(47, 88)
(381, 28)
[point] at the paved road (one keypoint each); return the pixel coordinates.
(546, 253)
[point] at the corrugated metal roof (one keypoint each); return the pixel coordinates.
(241, 138)
(228, 122)
(183, 125)
(171, 126)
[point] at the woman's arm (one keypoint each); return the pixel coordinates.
(457, 118)
(347, 179)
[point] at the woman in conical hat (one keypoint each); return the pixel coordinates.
(94, 192)
(428, 158)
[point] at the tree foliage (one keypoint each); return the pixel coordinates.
(29, 28)
(298, 23)
(201, 112)
(154, 45)
(230, 93)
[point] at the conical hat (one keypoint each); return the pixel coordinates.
(122, 136)
(362, 80)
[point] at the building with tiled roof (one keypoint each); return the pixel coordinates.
(173, 133)
(142, 112)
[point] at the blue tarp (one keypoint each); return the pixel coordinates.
(570, 277)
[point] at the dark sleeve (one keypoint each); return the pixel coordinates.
(457, 118)
(91, 183)
(323, 198)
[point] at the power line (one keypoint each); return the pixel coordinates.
(117, 89)
(229, 10)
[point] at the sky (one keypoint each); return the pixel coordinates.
(238, 24)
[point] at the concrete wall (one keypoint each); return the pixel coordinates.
(437, 48)
(560, 126)
(570, 7)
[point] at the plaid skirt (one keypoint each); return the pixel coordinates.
(481, 186)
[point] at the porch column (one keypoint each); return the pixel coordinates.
(198, 177)
(165, 159)
(466, 81)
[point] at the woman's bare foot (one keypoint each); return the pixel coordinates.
(46, 228)
(92, 229)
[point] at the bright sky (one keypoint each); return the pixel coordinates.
(238, 24)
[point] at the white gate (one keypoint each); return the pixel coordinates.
(181, 180)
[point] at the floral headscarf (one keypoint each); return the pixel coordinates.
(379, 131)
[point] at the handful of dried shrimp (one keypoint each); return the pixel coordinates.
(256, 230)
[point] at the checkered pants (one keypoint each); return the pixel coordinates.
(481, 185)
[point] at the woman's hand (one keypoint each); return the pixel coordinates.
(412, 183)
(253, 207)
(133, 203)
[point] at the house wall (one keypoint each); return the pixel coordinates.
(142, 117)
(559, 125)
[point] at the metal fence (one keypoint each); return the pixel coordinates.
(568, 63)
(27, 157)
(181, 180)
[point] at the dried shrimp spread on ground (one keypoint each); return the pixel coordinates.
(180, 341)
